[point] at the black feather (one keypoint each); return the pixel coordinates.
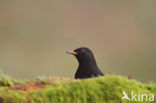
(87, 64)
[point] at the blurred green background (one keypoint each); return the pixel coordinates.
(34, 36)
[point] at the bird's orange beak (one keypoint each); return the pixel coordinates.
(72, 52)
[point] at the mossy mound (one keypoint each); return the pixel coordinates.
(107, 89)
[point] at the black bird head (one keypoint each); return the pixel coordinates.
(87, 64)
(83, 55)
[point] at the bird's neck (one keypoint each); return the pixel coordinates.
(91, 63)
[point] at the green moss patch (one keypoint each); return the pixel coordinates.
(107, 89)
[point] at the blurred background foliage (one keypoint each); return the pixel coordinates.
(34, 36)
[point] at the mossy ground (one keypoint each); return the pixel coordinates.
(107, 89)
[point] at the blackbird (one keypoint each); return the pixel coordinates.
(87, 65)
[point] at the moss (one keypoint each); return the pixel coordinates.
(107, 89)
(5, 80)
(151, 87)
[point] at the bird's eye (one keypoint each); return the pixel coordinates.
(82, 51)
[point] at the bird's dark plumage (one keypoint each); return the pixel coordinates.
(87, 64)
